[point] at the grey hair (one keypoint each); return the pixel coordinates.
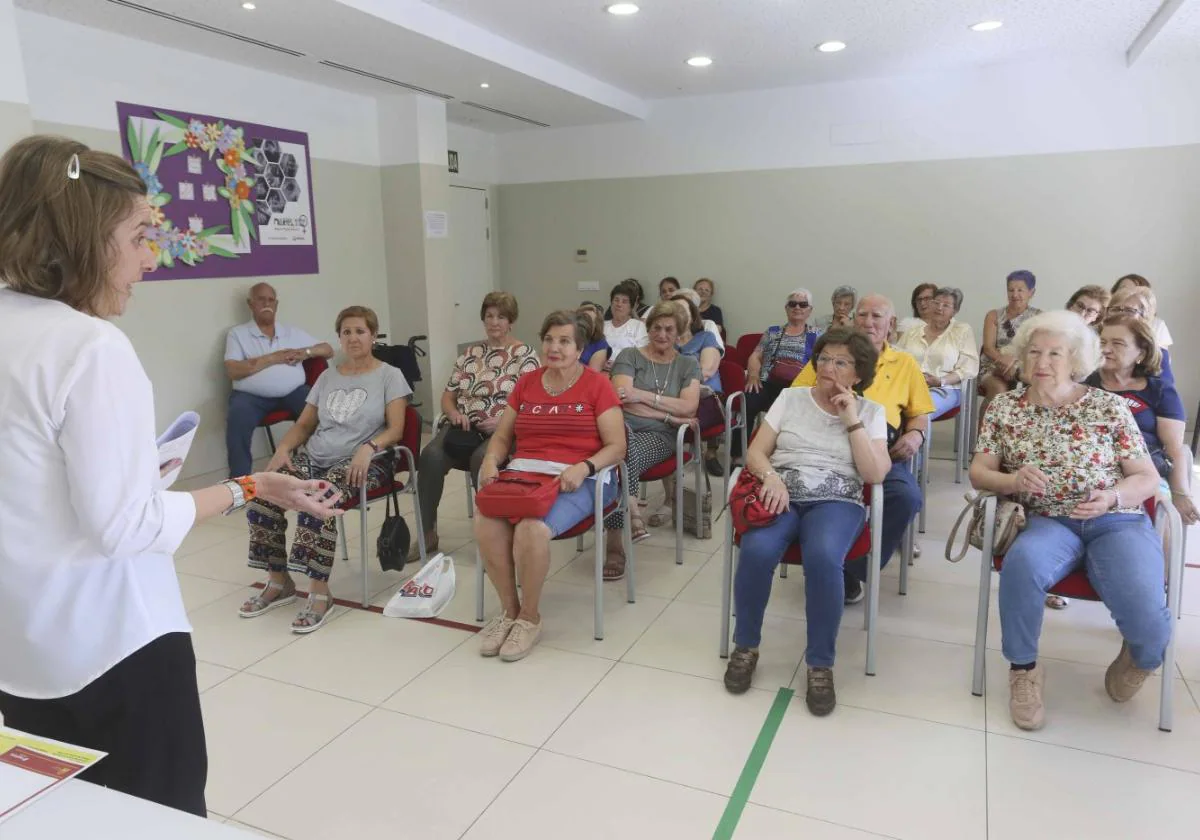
(951, 292)
(844, 291)
(796, 292)
(1082, 341)
(690, 294)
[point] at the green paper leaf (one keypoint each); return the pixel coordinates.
(223, 166)
(210, 231)
(155, 148)
(162, 199)
(168, 262)
(135, 150)
(171, 120)
(250, 226)
(221, 252)
(223, 192)
(181, 146)
(236, 220)
(188, 259)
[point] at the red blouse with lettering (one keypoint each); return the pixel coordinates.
(560, 428)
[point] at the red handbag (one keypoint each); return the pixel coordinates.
(746, 505)
(518, 495)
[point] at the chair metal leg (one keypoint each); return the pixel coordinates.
(726, 585)
(341, 529)
(985, 590)
(679, 503)
(579, 543)
(1174, 530)
(906, 557)
(871, 614)
(626, 535)
(598, 525)
(362, 545)
(480, 582)
(783, 567)
(470, 496)
(923, 476)
(271, 438)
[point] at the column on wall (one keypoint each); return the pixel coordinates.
(412, 144)
(16, 121)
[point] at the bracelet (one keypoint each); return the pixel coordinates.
(855, 427)
(374, 446)
(591, 467)
(244, 490)
(667, 419)
(1180, 494)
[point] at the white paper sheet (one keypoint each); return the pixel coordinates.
(174, 443)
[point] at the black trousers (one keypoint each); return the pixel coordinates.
(145, 713)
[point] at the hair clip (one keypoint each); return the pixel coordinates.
(73, 168)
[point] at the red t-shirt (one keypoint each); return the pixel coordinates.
(562, 429)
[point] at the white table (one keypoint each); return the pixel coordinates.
(89, 812)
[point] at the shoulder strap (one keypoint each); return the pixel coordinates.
(973, 503)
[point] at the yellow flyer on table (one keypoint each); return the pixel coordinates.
(31, 767)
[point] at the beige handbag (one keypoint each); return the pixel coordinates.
(1010, 521)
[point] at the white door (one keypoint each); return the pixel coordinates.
(470, 259)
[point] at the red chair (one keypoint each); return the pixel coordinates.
(962, 417)
(1076, 585)
(733, 410)
(405, 454)
(312, 369)
(593, 522)
(687, 449)
(869, 542)
(746, 345)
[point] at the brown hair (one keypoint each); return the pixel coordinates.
(630, 289)
(696, 321)
(670, 280)
(565, 318)
(1143, 336)
(916, 293)
(860, 347)
(504, 302)
(1137, 279)
(594, 319)
(711, 285)
(667, 309)
(1145, 293)
(364, 312)
(56, 231)
(1097, 293)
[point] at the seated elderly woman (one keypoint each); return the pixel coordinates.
(659, 389)
(1140, 302)
(624, 329)
(815, 449)
(562, 420)
(921, 298)
(998, 367)
(945, 348)
(354, 411)
(843, 299)
(1090, 304)
(709, 311)
(472, 403)
(1074, 457)
(1129, 282)
(597, 354)
(695, 341)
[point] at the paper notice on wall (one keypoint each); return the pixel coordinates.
(437, 224)
(31, 767)
(173, 446)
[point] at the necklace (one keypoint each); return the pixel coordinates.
(554, 392)
(660, 388)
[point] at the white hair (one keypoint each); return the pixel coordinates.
(797, 292)
(690, 294)
(1083, 343)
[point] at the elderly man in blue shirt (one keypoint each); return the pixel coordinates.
(264, 359)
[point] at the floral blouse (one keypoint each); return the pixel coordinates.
(1079, 446)
(484, 376)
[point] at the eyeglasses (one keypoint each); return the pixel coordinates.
(1091, 311)
(1125, 310)
(837, 362)
(798, 304)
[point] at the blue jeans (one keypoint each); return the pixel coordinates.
(246, 411)
(570, 509)
(1124, 561)
(901, 502)
(944, 399)
(825, 531)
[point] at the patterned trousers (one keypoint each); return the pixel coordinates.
(645, 450)
(314, 546)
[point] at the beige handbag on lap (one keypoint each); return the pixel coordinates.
(1010, 521)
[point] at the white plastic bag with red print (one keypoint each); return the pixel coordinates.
(426, 593)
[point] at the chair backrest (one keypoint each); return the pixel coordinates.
(747, 344)
(313, 368)
(733, 376)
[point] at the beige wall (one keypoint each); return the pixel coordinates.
(178, 326)
(1071, 218)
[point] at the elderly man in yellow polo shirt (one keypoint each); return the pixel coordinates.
(900, 388)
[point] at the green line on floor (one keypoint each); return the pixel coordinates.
(753, 766)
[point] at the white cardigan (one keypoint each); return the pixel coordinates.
(86, 536)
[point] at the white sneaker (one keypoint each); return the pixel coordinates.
(493, 635)
(521, 639)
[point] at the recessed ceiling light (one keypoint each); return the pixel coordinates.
(484, 85)
(250, 7)
(831, 46)
(699, 61)
(986, 25)
(621, 8)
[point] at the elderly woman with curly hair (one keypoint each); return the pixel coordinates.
(1074, 457)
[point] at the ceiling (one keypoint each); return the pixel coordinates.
(567, 62)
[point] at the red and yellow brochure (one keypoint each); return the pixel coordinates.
(31, 767)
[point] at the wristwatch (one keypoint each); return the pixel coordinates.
(244, 489)
(591, 468)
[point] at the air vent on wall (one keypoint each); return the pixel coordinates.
(369, 75)
(204, 26)
(507, 114)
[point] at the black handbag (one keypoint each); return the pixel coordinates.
(392, 543)
(460, 444)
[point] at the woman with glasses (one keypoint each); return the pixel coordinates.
(945, 349)
(922, 297)
(1090, 303)
(998, 367)
(1162, 335)
(1139, 302)
(815, 450)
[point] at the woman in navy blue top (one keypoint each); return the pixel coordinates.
(597, 353)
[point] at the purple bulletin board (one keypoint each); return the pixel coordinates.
(229, 199)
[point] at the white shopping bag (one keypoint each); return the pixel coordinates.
(426, 593)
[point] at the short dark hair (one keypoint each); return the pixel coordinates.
(1136, 279)
(916, 293)
(505, 303)
(364, 312)
(565, 318)
(668, 280)
(860, 347)
(629, 289)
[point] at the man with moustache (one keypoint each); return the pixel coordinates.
(264, 359)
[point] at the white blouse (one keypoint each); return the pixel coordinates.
(630, 334)
(954, 351)
(86, 572)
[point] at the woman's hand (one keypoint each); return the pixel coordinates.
(360, 464)
(1007, 366)
(488, 471)
(1186, 507)
(1029, 480)
(315, 497)
(775, 494)
(571, 479)
(846, 403)
(629, 396)
(488, 424)
(281, 459)
(906, 446)
(1097, 503)
(459, 420)
(753, 382)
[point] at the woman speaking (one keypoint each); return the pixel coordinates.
(96, 643)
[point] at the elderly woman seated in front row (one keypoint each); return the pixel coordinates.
(945, 348)
(814, 451)
(1074, 457)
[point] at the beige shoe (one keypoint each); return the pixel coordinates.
(1123, 679)
(521, 639)
(1025, 697)
(493, 634)
(431, 547)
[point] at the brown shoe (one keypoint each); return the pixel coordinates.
(1025, 697)
(740, 670)
(820, 697)
(1123, 679)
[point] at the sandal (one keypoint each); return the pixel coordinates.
(308, 619)
(637, 527)
(260, 603)
(1056, 602)
(661, 518)
(614, 562)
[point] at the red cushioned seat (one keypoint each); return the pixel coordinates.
(666, 468)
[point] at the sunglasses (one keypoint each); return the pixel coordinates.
(798, 304)
(1009, 329)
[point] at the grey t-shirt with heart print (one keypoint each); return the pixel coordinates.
(351, 410)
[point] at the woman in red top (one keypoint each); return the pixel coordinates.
(565, 420)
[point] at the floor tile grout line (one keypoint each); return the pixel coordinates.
(1013, 737)
(987, 768)
(868, 832)
(499, 793)
(425, 670)
(637, 773)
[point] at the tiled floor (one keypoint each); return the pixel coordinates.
(375, 727)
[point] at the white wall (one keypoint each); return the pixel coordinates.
(477, 161)
(997, 111)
